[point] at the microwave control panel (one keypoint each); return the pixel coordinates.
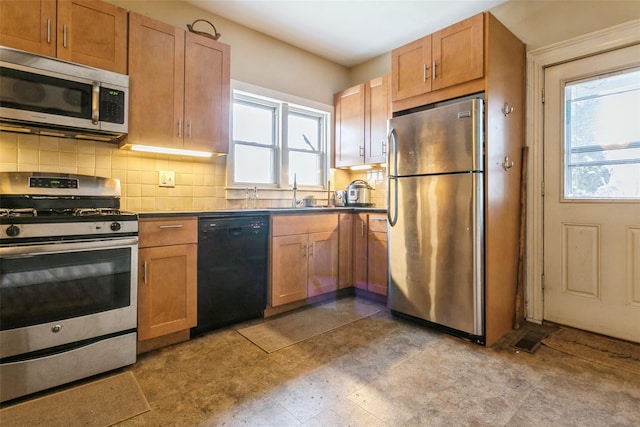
(111, 105)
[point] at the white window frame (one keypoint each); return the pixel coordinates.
(284, 103)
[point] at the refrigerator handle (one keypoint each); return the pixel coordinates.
(392, 162)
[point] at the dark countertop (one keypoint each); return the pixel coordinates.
(265, 211)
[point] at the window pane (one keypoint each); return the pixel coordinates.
(306, 167)
(602, 137)
(304, 132)
(253, 123)
(253, 164)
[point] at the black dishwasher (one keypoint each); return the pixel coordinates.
(232, 270)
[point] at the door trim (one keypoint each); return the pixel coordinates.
(611, 38)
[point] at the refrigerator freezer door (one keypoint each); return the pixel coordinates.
(435, 251)
(441, 140)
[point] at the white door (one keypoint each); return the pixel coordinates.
(592, 194)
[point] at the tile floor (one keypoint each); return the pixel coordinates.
(378, 371)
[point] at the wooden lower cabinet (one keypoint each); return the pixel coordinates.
(345, 250)
(167, 277)
(304, 257)
(370, 256)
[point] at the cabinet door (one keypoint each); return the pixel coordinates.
(349, 145)
(323, 263)
(206, 106)
(156, 82)
(93, 33)
(345, 250)
(377, 271)
(458, 53)
(360, 251)
(29, 25)
(411, 69)
(289, 268)
(167, 290)
(377, 112)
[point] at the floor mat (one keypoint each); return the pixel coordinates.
(273, 335)
(530, 341)
(596, 348)
(100, 403)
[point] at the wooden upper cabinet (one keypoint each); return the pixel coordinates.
(449, 57)
(458, 54)
(410, 68)
(88, 32)
(207, 88)
(349, 117)
(179, 88)
(93, 33)
(377, 112)
(29, 25)
(156, 82)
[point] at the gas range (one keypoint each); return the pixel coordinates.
(53, 206)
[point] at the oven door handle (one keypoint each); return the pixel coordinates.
(59, 247)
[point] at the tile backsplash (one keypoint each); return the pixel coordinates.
(200, 184)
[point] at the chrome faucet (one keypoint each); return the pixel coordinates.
(295, 191)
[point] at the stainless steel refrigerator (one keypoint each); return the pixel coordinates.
(435, 211)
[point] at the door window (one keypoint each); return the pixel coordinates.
(602, 137)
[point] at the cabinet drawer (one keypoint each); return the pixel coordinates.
(283, 225)
(167, 231)
(378, 224)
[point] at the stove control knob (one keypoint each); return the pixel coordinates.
(12, 231)
(115, 226)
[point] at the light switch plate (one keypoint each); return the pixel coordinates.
(166, 179)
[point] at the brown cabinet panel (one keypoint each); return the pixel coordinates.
(282, 225)
(206, 115)
(156, 81)
(360, 232)
(345, 250)
(410, 69)
(289, 268)
(167, 290)
(167, 231)
(29, 25)
(458, 53)
(377, 271)
(323, 263)
(440, 66)
(88, 32)
(377, 112)
(349, 126)
(93, 33)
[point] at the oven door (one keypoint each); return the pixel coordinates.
(68, 292)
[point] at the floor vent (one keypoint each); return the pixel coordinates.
(529, 342)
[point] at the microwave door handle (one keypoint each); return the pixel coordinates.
(95, 103)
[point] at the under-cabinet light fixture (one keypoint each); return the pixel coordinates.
(360, 167)
(165, 150)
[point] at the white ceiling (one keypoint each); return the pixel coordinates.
(348, 32)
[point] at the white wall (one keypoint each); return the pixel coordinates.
(255, 57)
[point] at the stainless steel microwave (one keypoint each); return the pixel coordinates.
(47, 96)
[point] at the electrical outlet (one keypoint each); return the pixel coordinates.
(166, 179)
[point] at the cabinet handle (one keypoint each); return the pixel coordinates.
(305, 252)
(313, 248)
(425, 72)
(179, 128)
(145, 272)
(384, 148)
(361, 150)
(189, 129)
(379, 219)
(49, 31)
(433, 70)
(64, 36)
(95, 103)
(163, 227)
(362, 228)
